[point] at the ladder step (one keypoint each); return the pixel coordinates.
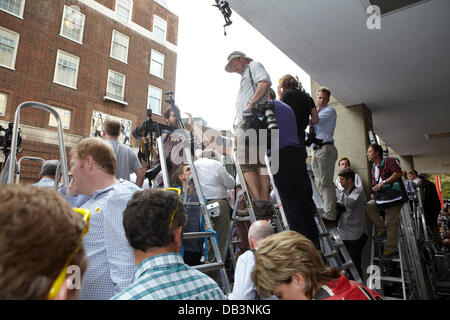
(196, 235)
(392, 298)
(393, 260)
(209, 266)
(391, 279)
(331, 254)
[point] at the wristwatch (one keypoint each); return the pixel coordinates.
(252, 103)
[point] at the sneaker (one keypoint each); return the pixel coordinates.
(390, 255)
(380, 236)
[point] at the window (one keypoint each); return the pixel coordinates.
(157, 64)
(123, 10)
(154, 99)
(119, 46)
(3, 101)
(9, 41)
(159, 28)
(65, 116)
(66, 70)
(115, 88)
(72, 24)
(14, 7)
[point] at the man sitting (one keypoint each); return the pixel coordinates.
(153, 223)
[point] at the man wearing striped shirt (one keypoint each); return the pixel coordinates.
(153, 223)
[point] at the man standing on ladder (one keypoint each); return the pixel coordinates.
(384, 171)
(255, 82)
(325, 155)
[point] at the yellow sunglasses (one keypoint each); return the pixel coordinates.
(62, 275)
(178, 191)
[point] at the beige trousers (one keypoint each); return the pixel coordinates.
(323, 162)
(390, 225)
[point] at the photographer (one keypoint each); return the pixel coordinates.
(255, 82)
(351, 203)
(291, 179)
(325, 155)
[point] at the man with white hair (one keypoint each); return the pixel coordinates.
(244, 288)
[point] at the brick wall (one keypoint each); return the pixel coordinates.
(32, 79)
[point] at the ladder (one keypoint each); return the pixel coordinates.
(332, 247)
(407, 271)
(205, 211)
(8, 171)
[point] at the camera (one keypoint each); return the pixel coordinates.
(267, 109)
(5, 140)
(146, 127)
(261, 117)
(311, 138)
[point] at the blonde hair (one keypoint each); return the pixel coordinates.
(99, 150)
(325, 90)
(284, 254)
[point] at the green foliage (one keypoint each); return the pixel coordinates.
(445, 184)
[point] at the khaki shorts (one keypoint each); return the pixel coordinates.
(247, 154)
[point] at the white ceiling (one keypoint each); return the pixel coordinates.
(401, 72)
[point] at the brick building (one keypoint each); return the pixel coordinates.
(88, 59)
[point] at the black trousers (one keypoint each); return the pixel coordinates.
(355, 248)
(294, 187)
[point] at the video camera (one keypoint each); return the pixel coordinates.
(5, 140)
(311, 138)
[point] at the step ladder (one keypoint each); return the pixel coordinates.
(10, 167)
(332, 247)
(205, 211)
(403, 278)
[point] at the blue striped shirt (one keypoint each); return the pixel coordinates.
(167, 277)
(110, 257)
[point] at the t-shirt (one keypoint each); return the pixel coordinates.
(300, 102)
(127, 159)
(287, 125)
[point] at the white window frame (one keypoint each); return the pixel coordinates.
(112, 97)
(129, 14)
(161, 20)
(61, 112)
(160, 99)
(20, 15)
(56, 69)
(3, 108)
(162, 65)
(112, 42)
(80, 41)
(16, 46)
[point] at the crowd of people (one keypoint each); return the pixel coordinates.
(105, 237)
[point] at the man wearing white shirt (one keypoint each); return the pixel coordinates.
(325, 155)
(244, 288)
(215, 182)
(344, 163)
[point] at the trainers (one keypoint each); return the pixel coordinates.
(380, 236)
(390, 254)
